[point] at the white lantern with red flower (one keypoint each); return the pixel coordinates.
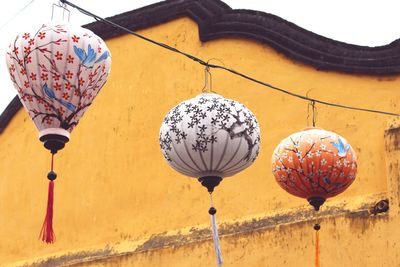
(58, 70)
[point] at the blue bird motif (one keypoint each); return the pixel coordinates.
(103, 56)
(89, 59)
(341, 147)
(50, 93)
(327, 180)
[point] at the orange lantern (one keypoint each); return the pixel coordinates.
(314, 164)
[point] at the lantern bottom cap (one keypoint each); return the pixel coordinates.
(54, 139)
(316, 202)
(210, 182)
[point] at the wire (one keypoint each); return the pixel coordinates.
(16, 15)
(204, 63)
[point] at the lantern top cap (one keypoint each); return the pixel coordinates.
(209, 95)
(312, 128)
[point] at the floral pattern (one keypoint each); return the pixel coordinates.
(57, 73)
(314, 163)
(210, 136)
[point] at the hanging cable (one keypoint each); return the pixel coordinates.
(202, 62)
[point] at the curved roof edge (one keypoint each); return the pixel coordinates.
(218, 20)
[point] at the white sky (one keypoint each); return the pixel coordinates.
(362, 22)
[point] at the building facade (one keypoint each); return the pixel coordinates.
(118, 203)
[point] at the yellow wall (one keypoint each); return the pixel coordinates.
(118, 202)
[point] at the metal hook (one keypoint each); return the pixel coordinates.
(207, 80)
(311, 105)
(64, 8)
(208, 76)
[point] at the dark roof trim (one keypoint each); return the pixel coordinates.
(9, 112)
(218, 20)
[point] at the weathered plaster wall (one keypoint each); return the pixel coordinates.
(118, 203)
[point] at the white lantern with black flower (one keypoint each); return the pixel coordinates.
(210, 137)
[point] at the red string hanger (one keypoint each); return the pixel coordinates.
(58, 70)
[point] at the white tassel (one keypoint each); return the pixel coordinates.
(217, 247)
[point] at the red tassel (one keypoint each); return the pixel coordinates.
(47, 234)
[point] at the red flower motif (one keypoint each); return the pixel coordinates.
(26, 36)
(28, 60)
(27, 49)
(77, 93)
(31, 41)
(12, 68)
(44, 76)
(99, 49)
(57, 86)
(15, 50)
(81, 81)
(26, 84)
(75, 38)
(56, 76)
(42, 35)
(23, 71)
(58, 55)
(48, 120)
(47, 107)
(33, 76)
(30, 98)
(70, 59)
(65, 95)
(61, 111)
(68, 86)
(69, 74)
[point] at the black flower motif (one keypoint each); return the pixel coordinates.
(214, 121)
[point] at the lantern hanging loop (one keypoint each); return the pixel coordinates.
(311, 108)
(65, 10)
(207, 88)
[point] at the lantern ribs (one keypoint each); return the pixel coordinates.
(316, 183)
(300, 175)
(43, 50)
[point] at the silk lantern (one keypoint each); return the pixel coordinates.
(314, 164)
(58, 70)
(210, 137)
